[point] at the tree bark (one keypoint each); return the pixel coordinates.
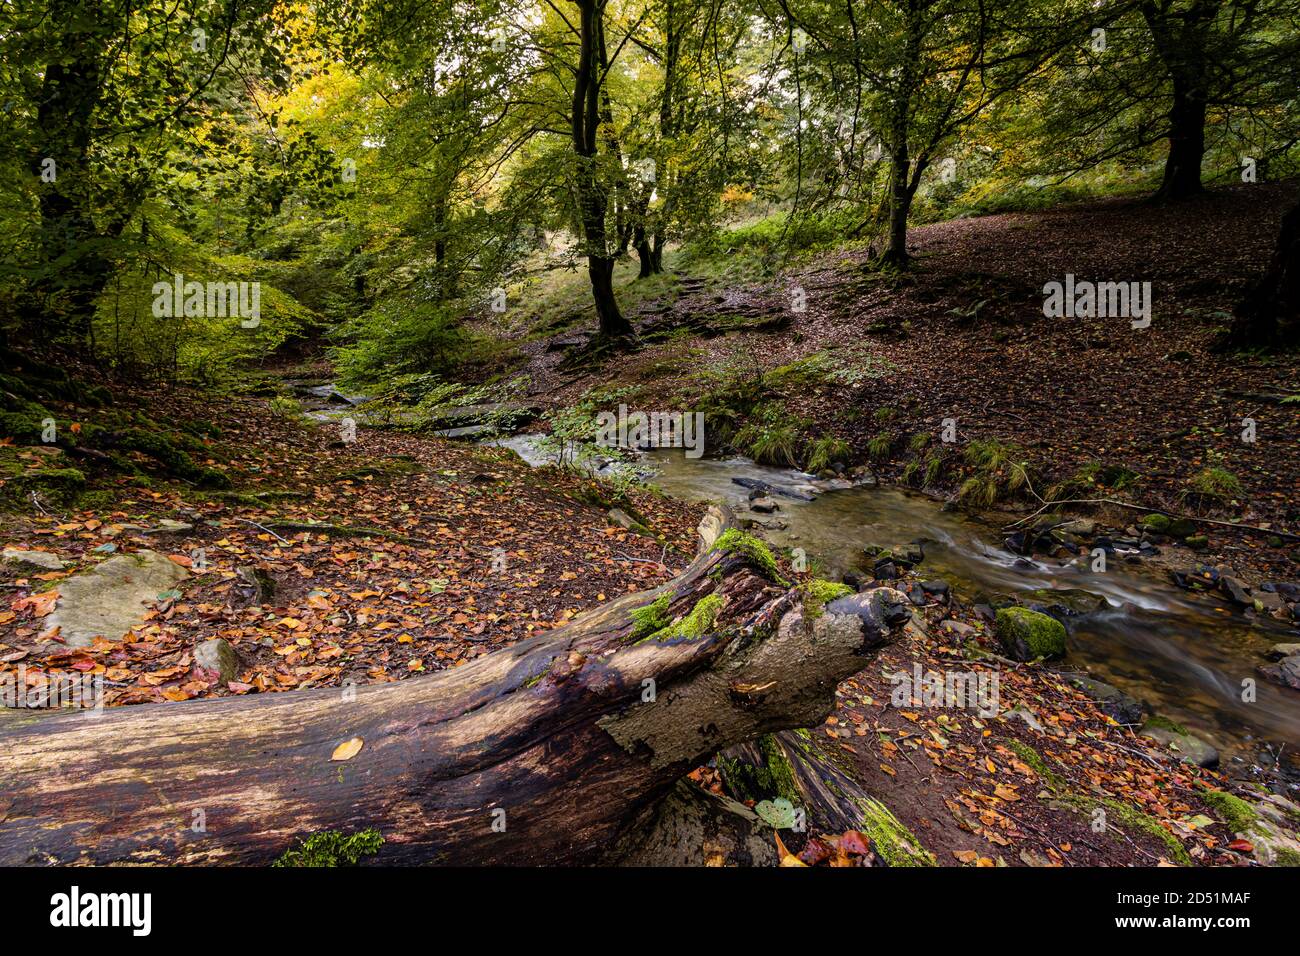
(593, 197)
(1182, 176)
(564, 739)
(1269, 315)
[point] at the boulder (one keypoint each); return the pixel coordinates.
(958, 630)
(171, 526)
(41, 560)
(763, 505)
(1285, 672)
(1186, 747)
(1115, 704)
(1235, 590)
(1084, 527)
(218, 657)
(110, 599)
(1027, 635)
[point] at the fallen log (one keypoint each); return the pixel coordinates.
(543, 752)
(795, 765)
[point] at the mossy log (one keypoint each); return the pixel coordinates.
(792, 765)
(540, 753)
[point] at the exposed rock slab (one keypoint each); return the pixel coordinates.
(111, 598)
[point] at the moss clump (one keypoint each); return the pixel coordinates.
(1036, 763)
(1156, 523)
(1164, 723)
(332, 848)
(758, 554)
(694, 624)
(892, 842)
(1285, 856)
(173, 458)
(1235, 812)
(653, 617)
(773, 778)
(1125, 815)
(1027, 634)
(818, 593)
(1134, 819)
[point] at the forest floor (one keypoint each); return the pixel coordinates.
(432, 553)
(408, 579)
(881, 360)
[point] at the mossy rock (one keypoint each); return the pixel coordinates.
(1156, 523)
(53, 485)
(1235, 812)
(1028, 635)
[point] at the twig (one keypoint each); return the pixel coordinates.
(264, 528)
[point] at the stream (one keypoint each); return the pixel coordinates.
(1184, 653)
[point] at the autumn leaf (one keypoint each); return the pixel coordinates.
(348, 749)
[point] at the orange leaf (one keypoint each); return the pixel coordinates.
(348, 749)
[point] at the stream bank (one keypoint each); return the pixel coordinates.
(1190, 657)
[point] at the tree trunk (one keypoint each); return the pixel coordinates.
(613, 324)
(1182, 176)
(900, 207)
(593, 197)
(651, 264)
(543, 752)
(1269, 315)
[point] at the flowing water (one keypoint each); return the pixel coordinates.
(1186, 654)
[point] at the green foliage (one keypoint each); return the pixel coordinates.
(1213, 484)
(880, 446)
(771, 437)
(998, 470)
(332, 848)
(826, 451)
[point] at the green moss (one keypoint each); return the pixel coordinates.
(1285, 856)
(1156, 523)
(818, 593)
(653, 617)
(332, 848)
(758, 554)
(1164, 723)
(1135, 820)
(1028, 634)
(1036, 763)
(1234, 811)
(1121, 813)
(892, 842)
(694, 624)
(773, 778)
(172, 457)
